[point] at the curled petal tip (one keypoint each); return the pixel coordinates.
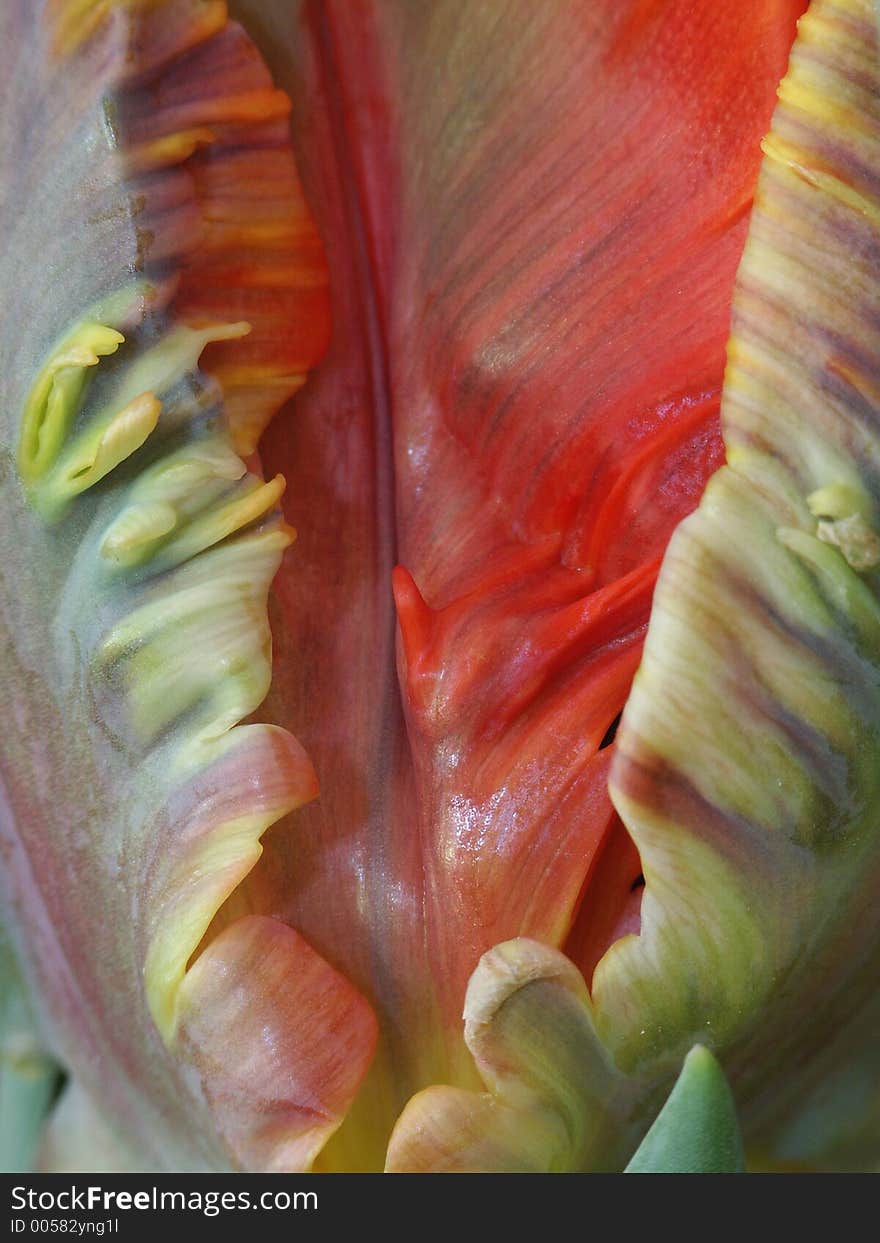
(548, 1106)
(504, 970)
(280, 1040)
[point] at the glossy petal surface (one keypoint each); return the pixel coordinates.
(529, 350)
(745, 763)
(531, 281)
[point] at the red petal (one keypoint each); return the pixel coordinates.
(533, 216)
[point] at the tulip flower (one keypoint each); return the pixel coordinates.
(440, 550)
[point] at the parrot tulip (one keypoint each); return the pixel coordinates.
(562, 709)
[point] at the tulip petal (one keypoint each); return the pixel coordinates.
(746, 766)
(529, 1027)
(139, 551)
(281, 1038)
(745, 763)
(696, 1131)
(514, 423)
(536, 409)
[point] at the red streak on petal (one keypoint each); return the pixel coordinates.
(533, 215)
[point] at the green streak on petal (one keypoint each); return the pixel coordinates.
(746, 765)
(139, 552)
(57, 393)
(182, 564)
(58, 457)
(696, 1131)
(55, 397)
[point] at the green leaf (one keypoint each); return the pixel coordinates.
(696, 1131)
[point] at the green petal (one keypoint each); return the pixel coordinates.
(747, 758)
(696, 1131)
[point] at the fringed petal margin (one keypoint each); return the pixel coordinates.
(745, 765)
(159, 546)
